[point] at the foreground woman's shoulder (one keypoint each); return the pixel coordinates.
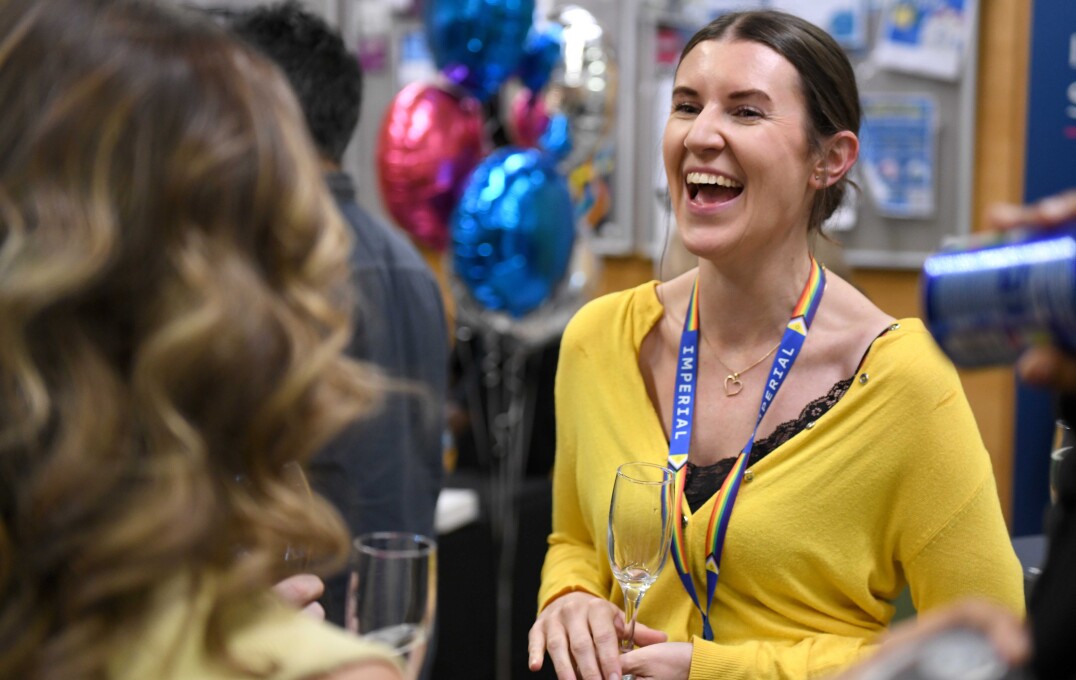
(366, 670)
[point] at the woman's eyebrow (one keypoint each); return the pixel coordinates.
(751, 93)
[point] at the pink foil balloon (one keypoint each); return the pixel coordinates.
(430, 141)
(528, 118)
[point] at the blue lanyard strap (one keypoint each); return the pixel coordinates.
(683, 417)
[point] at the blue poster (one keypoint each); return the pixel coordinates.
(897, 153)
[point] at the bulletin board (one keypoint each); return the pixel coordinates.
(883, 230)
(882, 240)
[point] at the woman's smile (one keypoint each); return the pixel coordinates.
(709, 188)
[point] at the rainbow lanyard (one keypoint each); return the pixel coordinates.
(683, 414)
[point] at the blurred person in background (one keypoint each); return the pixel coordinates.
(383, 473)
(174, 306)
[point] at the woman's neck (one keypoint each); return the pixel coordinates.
(745, 305)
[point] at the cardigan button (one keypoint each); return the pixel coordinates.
(809, 425)
(863, 378)
(895, 327)
(748, 476)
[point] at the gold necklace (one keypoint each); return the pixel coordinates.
(733, 385)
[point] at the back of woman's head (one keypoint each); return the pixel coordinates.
(172, 312)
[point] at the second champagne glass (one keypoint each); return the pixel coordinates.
(392, 594)
(640, 527)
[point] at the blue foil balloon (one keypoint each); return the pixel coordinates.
(513, 231)
(541, 53)
(478, 44)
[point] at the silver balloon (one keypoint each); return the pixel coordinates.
(583, 84)
(545, 323)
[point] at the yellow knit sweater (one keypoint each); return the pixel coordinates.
(891, 487)
(263, 635)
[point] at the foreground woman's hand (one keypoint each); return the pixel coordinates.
(302, 592)
(1005, 632)
(662, 661)
(582, 634)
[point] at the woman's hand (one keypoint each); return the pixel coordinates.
(663, 661)
(582, 634)
(1005, 632)
(302, 592)
(1042, 366)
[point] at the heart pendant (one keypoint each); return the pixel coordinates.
(732, 385)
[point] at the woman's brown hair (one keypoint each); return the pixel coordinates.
(173, 305)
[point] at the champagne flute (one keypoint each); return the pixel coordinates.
(392, 593)
(1063, 443)
(641, 516)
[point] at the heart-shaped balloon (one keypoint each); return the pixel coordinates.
(430, 141)
(478, 44)
(513, 230)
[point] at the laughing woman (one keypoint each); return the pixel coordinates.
(858, 463)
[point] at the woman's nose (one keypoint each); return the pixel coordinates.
(707, 132)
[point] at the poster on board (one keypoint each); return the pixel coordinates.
(897, 157)
(845, 20)
(924, 37)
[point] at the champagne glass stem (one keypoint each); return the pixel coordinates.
(632, 598)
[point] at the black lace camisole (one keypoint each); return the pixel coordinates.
(703, 481)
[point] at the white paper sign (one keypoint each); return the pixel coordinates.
(924, 37)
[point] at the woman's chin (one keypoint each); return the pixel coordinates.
(708, 241)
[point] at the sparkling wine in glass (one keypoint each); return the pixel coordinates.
(392, 593)
(641, 516)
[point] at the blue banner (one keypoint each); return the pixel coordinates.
(1050, 167)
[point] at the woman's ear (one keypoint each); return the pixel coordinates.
(839, 155)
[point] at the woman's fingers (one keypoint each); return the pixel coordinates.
(1049, 211)
(581, 634)
(581, 642)
(645, 635)
(668, 661)
(1048, 367)
(535, 648)
(606, 640)
(300, 590)
(558, 646)
(315, 611)
(1004, 630)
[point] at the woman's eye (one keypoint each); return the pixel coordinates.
(747, 112)
(684, 107)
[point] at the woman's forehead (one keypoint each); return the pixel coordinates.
(735, 67)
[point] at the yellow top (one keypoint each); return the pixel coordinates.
(892, 486)
(265, 635)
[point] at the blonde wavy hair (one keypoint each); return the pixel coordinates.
(173, 306)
